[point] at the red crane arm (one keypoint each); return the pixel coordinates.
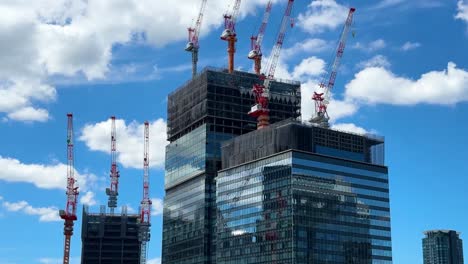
(279, 43)
(257, 40)
(194, 32)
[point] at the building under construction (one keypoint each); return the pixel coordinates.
(203, 113)
(110, 238)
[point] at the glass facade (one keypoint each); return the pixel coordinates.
(442, 247)
(185, 157)
(298, 207)
(202, 114)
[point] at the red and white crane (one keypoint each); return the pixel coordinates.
(145, 205)
(193, 33)
(69, 214)
(262, 91)
(256, 41)
(229, 33)
(113, 191)
(323, 99)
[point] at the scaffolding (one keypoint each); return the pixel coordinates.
(110, 238)
(292, 134)
(217, 97)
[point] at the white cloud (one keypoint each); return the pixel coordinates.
(76, 37)
(157, 206)
(154, 261)
(50, 260)
(29, 114)
(462, 11)
(410, 46)
(46, 214)
(378, 85)
(387, 3)
(376, 61)
(310, 45)
(371, 46)
(309, 67)
(41, 175)
(88, 199)
(129, 141)
(73, 260)
(322, 15)
(350, 127)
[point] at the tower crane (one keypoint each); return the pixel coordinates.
(323, 99)
(69, 214)
(113, 191)
(262, 91)
(229, 33)
(256, 41)
(145, 205)
(193, 33)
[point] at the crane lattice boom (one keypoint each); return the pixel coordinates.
(113, 191)
(256, 41)
(229, 33)
(323, 99)
(69, 214)
(193, 33)
(262, 91)
(145, 206)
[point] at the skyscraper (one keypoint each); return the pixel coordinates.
(442, 247)
(110, 238)
(203, 113)
(295, 193)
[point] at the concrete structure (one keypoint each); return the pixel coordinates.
(442, 247)
(206, 111)
(110, 238)
(295, 193)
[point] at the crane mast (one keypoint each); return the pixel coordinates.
(323, 99)
(113, 191)
(229, 33)
(69, 214)
(193, 33)
(262, 91)
(145, 206)
(256, 41)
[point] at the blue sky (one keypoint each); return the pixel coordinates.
(404, 75)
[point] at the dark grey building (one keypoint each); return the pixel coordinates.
(109, 238)
(442, 247)
(294, 193)
(203, 113)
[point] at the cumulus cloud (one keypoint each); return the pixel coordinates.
(41, 175)
(46, 214)
(309, 67)
(157, 206)
(462, 11)
(129, 141)
(154, 261)
(371, 46)
(322, 15)
(310, 45)
(350, 127)
(410, 46)
(75, 38)
(376, 61)
(88, 199)
(378, 85)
